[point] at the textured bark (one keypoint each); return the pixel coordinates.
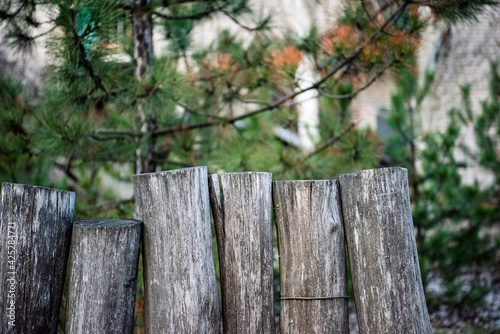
(382, 252)
(312, 257)
(142, 33)
(35, 228)
(180, 284)
(248, 253)
(103, 276)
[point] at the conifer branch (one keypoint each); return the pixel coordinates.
(194, 16)
(331, 141)
(82, 59)
(106, 206)
(271, 106)
(372, 20)
(259, 27)
(5, 15)
(44, 33)
(362, 88)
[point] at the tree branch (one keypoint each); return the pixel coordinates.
(372, 20)
(44, 33)
(67, 170)
(260, 26)
(195, 16)
(82, 59)
(106, 206)
(270, 106)
(365, 86)
(5, 15)
(331, 141)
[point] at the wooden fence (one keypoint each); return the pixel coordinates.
(367, 213)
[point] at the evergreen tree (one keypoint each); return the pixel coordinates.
(110, 106)
(109, 101)
(453, 220)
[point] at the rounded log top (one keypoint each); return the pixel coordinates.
(367, 173)
(248, 173)
(203, 169)
(107, 223)
(281, 182)
(242, 175)
(39, 188)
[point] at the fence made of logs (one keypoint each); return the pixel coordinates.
(364, 217)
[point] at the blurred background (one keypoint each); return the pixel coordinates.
(92, 92)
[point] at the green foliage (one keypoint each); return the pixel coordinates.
(20, 162)
(452, 219)
(96, 119)
(456, 10)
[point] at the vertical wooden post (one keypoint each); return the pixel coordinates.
(313, 276)
(103, 276)
(218, 215)
(35, 230)
(217, 211)
(180, 283)
(248, 253)
(382, 252)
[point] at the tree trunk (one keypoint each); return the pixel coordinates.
(383, 255)
(247, 253)
(313, 275)
(142, 31)
(181, 294)
(103, 276)
(35, 230)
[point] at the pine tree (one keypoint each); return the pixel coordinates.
(109, 101)
(453, 220)
(110, 106)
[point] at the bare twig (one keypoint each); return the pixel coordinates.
(106, 206)
(362, 88)
(331, 141)
(194, 16)
(372, 20)
(44, 33)
(260, 26)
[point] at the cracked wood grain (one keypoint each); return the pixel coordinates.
(180, 284)
(247, 253)
(35, 227)
(382, 252)
(103, 276)
(312, 257)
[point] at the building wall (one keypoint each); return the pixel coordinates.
(464, 54)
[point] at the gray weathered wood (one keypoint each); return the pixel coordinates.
(382, 252)
(218, 215)
(217, 211)
(248, 253)
(35, 230)
(311, 256)
(180, 284)
(103, 276)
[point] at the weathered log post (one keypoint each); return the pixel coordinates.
(103, 276)
(218, 216)
(35, 231)
(181, 294)
(247, 253)
(382, 251)
(313, 276)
